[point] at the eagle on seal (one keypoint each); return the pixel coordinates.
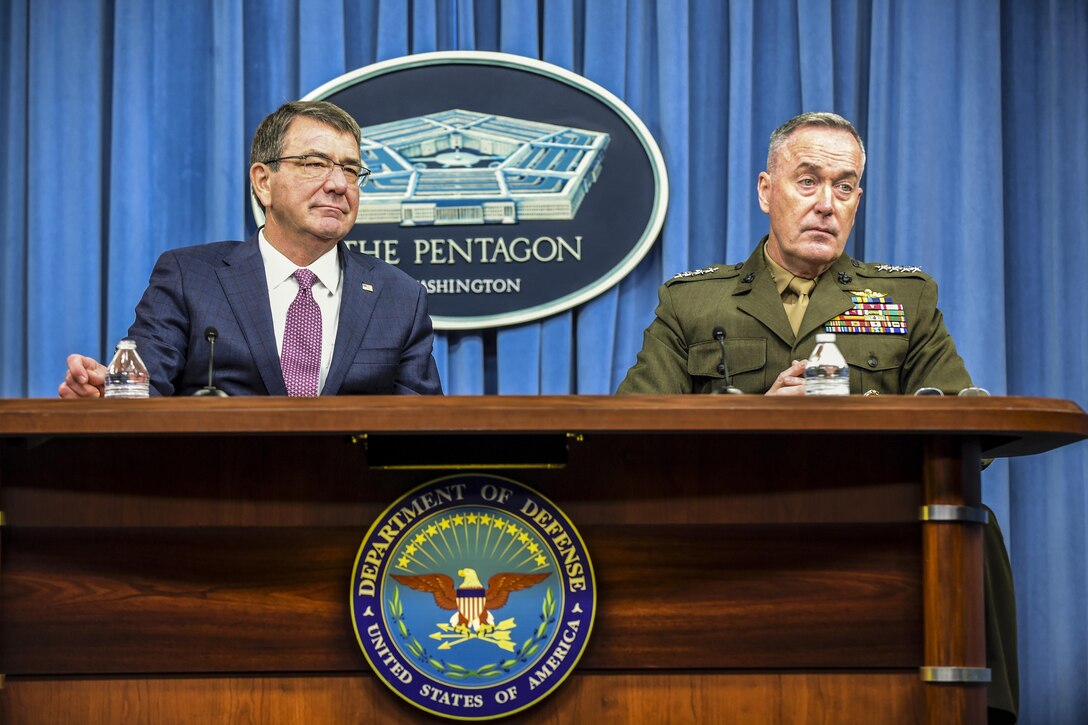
(471, 604)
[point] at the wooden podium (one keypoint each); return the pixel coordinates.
(756, 560)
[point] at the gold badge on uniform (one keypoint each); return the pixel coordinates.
(873, 312)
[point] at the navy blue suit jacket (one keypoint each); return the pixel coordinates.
(383, 342)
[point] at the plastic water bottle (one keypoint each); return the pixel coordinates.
(827, 372)
(126, 377)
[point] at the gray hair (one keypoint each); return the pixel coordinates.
(268, 140)
(818, 118)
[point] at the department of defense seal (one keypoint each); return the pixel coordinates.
(472, 597)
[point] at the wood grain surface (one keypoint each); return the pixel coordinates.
(81, 601)
(1007, 425)
(586, 697)
(757, 560)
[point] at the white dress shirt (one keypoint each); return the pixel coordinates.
(283, 288)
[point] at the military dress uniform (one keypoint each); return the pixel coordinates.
(901, 345)
(681, 355)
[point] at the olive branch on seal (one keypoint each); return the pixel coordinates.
(492, 669)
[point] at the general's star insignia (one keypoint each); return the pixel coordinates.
(896, 268)
(695, 272)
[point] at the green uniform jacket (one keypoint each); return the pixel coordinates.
(680, 355)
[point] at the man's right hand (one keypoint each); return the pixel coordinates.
(790, 381)
(86, 378)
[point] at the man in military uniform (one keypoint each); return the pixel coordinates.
(680, 353)
(798, 282)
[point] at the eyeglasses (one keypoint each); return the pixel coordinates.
(318, 166)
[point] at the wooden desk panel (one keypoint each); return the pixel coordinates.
(756, 559)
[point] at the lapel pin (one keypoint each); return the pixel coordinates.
(368, 287)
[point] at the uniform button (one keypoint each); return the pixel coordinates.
(872, 361)
(738, 265)
(855, 262)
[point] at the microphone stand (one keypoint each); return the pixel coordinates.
(726, 388)
(210, 334)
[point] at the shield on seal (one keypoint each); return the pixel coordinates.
(470, 603)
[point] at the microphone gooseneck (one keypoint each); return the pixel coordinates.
(723, 367)
(210, 334)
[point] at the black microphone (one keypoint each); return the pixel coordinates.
(723, 367)
(210, 333)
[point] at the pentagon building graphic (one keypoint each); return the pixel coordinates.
(463, 167)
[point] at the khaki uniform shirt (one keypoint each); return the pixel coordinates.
(680, 354)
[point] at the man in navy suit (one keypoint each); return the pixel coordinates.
(375, 335)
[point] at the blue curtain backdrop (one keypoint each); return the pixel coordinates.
(126, 125)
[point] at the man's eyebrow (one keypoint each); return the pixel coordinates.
(809, 167)
(314, 152)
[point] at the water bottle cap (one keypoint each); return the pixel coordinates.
(825, 337)
(127, 343)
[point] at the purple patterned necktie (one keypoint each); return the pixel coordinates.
(301, 355)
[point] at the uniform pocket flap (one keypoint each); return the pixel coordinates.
(874, 353)
(743, 354)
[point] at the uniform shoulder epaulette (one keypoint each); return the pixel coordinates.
(716, 271)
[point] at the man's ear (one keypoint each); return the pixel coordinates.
(260, 177)
(763, 187)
